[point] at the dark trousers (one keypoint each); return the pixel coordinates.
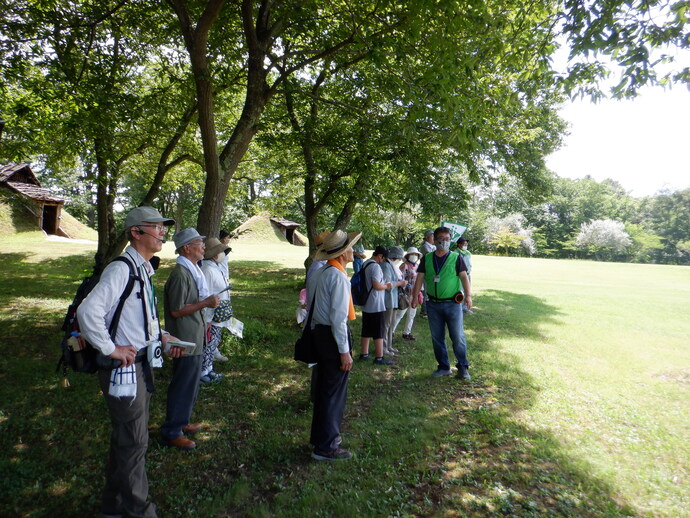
(329, 392)
(126, 485)
(182, 393)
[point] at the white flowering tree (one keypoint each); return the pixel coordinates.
(603, 237)
(509, 234)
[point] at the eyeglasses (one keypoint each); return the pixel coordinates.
(159, 228)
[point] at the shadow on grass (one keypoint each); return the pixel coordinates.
(423, 447)
(486, 462)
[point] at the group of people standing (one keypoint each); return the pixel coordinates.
(441, 274)
(194, 294)
(129, 352)
(388, 289)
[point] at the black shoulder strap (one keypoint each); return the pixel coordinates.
(366, 297)
(313, 299)
(112, 329)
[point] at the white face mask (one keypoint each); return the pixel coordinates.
(443, 245)
(412, 259)
(219, 258)
(396, 261)
(464, 247)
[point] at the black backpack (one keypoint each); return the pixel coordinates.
(82, 358)
(358, 287)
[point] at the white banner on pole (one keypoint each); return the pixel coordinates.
(457, 230)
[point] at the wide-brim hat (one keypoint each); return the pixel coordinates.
(336, 243)
(184, 237)
(141, 215)
(412, 250)
(395, 252)
(320, 237)
(214, 247)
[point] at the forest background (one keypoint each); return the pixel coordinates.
(380, 116)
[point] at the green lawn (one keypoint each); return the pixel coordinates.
(578, 404)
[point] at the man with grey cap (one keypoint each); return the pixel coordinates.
(331, 307)
(186, 296)
(428, 245)
(127, 389)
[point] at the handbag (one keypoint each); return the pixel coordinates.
(403, 299)
(305, 346)
(223, 312)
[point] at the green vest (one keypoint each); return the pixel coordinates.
(449, 282)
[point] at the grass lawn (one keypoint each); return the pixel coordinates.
(578, 405)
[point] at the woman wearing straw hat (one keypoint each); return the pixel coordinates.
(331, 307)
(214, 272)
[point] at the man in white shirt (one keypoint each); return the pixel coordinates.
(127, 389)
(331, 309)
(428, 245)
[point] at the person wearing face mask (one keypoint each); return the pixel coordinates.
(467, 257)
(444, 275)
(409, 272)
(392, 275)
(214, 272)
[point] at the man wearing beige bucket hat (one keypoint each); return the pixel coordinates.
(331, 307)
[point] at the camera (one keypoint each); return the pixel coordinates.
(155, 354)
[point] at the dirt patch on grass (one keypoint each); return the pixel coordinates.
(680, 376)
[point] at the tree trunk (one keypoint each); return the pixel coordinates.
(104, 207)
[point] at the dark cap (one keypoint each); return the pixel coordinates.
(381, 250)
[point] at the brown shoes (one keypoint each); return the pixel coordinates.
(181, 443)
(192, 428)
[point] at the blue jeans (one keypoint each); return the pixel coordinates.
(441, 314)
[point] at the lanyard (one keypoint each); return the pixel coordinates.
(150, 293)
(438, 266)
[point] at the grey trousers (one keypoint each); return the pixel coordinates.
(126, 484)
(182, 393)
(389, 321)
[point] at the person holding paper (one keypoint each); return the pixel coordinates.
(186, 297)
(214, 273)
(127, 389)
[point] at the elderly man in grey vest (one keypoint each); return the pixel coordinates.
(186, 296)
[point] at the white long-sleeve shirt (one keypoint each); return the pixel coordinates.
(216, 281)
(96, 311)
(332, 289)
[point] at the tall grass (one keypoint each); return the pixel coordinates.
(577, 406)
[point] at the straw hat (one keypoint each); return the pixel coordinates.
(320, 237)
(335, 244)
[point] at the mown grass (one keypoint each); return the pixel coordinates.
(577, 406)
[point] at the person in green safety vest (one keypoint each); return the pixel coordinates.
(444, 276)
